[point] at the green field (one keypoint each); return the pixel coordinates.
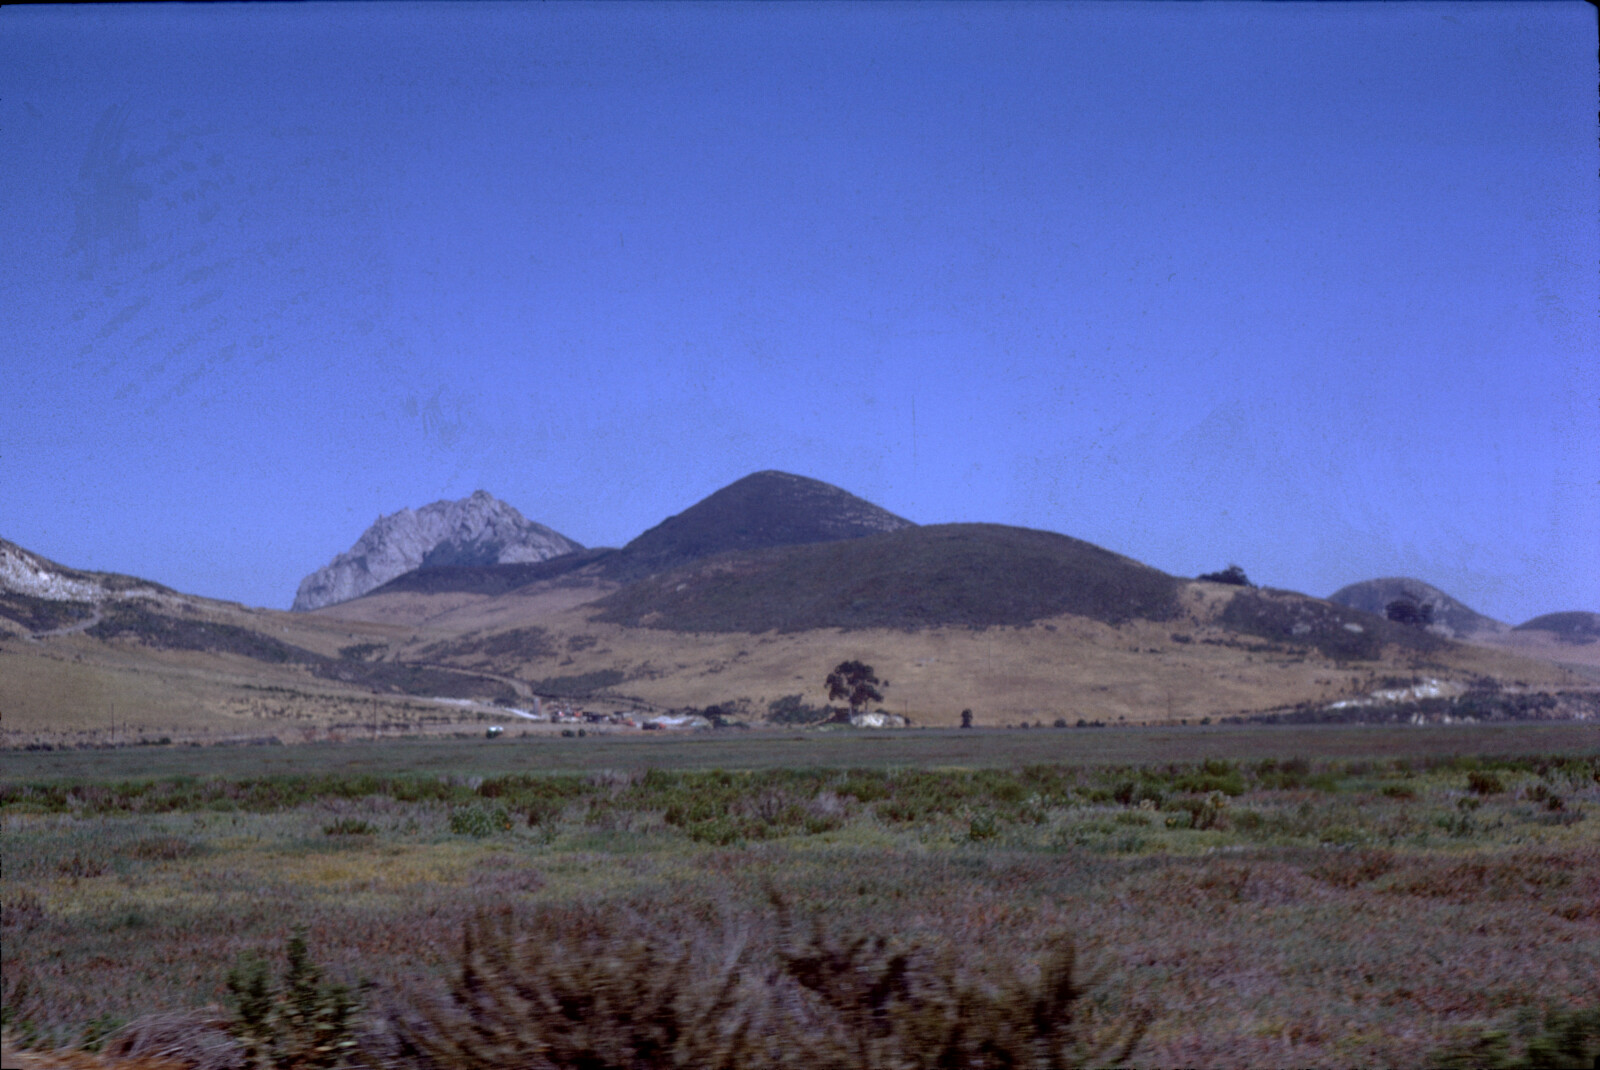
(772, 749)
(1287, 896)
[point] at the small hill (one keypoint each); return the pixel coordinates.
(761, 510)
(972, 575)
(474, 532)
(1450, 617)
(1576, 627)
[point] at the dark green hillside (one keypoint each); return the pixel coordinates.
(1574, 627)
(43, 614)
(948, 574)
(143, 622)
(759, 511)
(139, 622)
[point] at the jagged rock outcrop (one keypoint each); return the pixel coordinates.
(480, 530)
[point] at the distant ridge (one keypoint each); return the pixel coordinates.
(1577, 626)
(1450, 616)
(476, 531)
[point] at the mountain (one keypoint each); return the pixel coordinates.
(761, 510)
(473, 532)
(1450, 617)
(1576, 627)
(969, 575)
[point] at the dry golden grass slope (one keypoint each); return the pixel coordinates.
(82, 687)
(1066, 666)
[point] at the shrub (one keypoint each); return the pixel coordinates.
(1485, 783)
(571, 990)
(914, 1006)
(349, 826)
(479, 820)
(1233, 574)
(301, 1023)
(792, 709)
(582, 988)
(982, 827)
(1563, 1038)
(1204, 812)
(1213, 776)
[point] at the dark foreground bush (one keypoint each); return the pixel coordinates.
(577, 989)
(1561, 1040)
(301, 1024)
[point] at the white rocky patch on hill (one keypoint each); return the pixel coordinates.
(480, 530)
(23, 573)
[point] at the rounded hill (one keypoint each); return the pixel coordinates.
(1449, 615)
(947, 574)
(761, 510)
(1576, 626)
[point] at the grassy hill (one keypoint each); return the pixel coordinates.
(973, 575)
(762, 510)
(1572, 627)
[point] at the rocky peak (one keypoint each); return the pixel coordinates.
(476, 530)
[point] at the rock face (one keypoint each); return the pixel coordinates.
(28, 574)
(480, 530)
(1450, 617)
(23, 572)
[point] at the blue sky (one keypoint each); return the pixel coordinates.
(1311, 288)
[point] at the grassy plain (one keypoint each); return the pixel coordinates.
(1265, 896)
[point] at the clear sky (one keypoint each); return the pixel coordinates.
(1308, 287)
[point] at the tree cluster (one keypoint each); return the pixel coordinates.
(1232, 574)
(1408, 609)
(855, 683)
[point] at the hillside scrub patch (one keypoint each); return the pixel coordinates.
(138, 619)
(42, 614)
(1335, 631)
(581, 685)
